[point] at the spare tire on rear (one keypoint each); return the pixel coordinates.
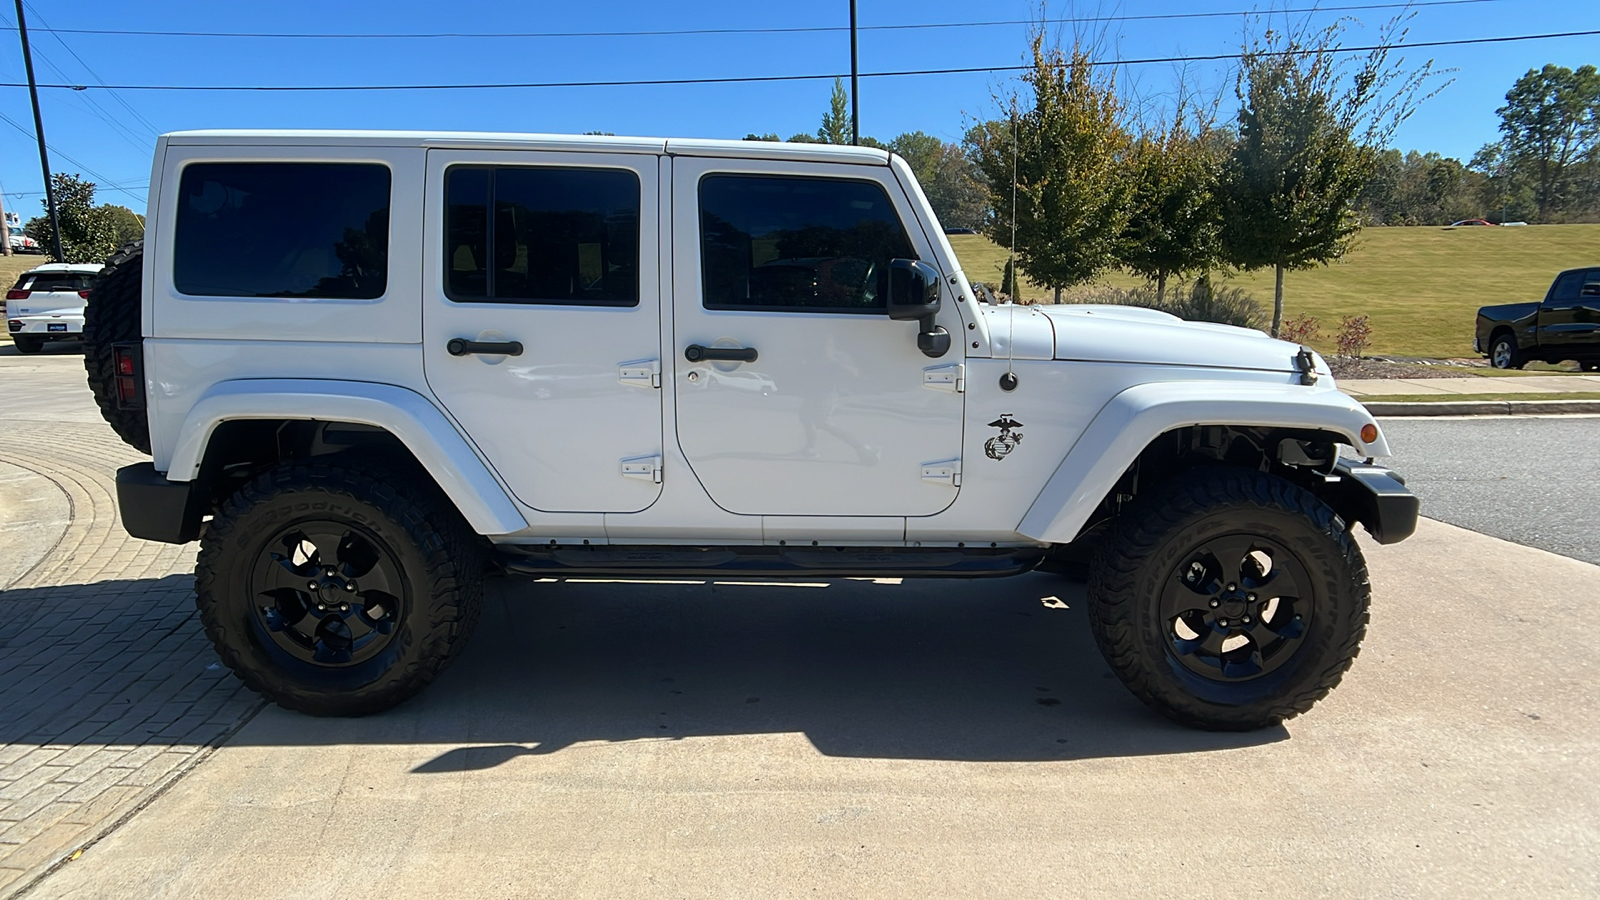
(111, 316)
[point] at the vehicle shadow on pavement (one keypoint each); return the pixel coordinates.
(957, 670)
(1002, 670)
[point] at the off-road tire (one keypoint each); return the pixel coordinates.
(27, 343)
(1514, 358)
(112, 316)
(442, 563)
(1147, 545)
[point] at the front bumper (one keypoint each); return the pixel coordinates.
(155, 509)
(1377, 498)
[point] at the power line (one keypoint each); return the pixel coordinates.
(86, 67)
(89, 103)
(817, 29)
(754, 79)
(103, 180)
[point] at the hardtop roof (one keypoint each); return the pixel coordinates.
(488, 140)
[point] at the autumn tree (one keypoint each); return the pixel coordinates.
(1309, 133)
(1070, 156)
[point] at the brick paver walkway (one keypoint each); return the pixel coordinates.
(109, 690)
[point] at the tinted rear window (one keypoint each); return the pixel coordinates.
(51, 281)
(283, 230)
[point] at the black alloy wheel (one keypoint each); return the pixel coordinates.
(338, 589)
(1237, 607)
(1228, 599)
(327, 593)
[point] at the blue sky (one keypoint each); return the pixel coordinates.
(1456, 122)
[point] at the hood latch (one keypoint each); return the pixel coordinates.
(1306, 362)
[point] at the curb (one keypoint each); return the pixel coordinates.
(1484, 408)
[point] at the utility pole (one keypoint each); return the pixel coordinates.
(38, 129)
(855, 104)
(5, 227)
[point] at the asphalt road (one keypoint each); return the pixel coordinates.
(1531, 480)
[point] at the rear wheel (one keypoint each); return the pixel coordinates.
(336, 592)
(1503, 353)
(1229, 599)
(112, 316)
(27, 343)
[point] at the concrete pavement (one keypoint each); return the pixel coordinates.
(915, 740)
(842, 737)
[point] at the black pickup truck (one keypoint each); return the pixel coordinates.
(1564, 325)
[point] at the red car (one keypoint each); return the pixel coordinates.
(1469, 222)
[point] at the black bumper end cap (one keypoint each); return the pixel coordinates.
(1380, 500)
(155, 509)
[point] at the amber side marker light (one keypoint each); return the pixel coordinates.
(1369, 433)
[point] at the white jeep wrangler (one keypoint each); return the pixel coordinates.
(373, 367)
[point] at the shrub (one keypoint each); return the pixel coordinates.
(1205, 303)
(1200, 302)
(1354, 333)
(1301, 329)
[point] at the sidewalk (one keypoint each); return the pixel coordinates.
(1475, 385)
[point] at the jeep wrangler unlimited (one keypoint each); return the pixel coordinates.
(373, 367)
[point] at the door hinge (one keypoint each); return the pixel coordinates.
(944, 471)
(952, 378)
(645, 373)
(643, 468)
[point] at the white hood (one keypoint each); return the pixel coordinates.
(1130, 334)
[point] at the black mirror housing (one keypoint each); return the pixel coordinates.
(913, 290)
(914, 295)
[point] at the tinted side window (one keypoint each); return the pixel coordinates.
(1591, 287)
(1567, 288)
(283, 230)
(567, 236)
(791, 244)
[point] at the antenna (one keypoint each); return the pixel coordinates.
(1011, 259)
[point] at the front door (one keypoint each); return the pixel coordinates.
(833, 411)
(541, 320)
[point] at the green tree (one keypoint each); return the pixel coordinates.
(1172, 225)
(1309, 133)
(1070, 154)
(921, 151)
(1550, 129)
(88, 232)
(126, 225)
(836, 122)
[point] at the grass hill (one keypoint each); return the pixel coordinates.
(1420, 286)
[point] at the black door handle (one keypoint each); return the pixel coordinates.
(462, 346)
(696, 353)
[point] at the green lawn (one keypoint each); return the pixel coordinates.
(1420, 286)
(17, 263)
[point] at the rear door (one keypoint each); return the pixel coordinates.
(1568, 317)
(541, 328)
(52, 292)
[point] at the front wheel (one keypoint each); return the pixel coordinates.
(334, 592)
(1229, 599)
(1503, 353)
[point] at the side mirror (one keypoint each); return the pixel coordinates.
(914, 294)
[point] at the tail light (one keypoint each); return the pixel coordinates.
(15, 294)
(126, 360)
(83, 294)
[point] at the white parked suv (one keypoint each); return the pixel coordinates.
(373, 367)
(46, 304)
